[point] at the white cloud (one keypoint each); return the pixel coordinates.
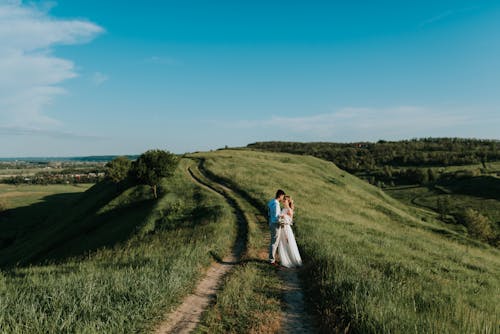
(30, 75)
(27, 131)
(98, 78)
(438, 17)
(355, 124)
(163, 60)
(444, 15)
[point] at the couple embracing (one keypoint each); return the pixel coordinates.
(282, 238)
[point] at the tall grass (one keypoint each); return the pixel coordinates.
(127, 287)
(372, 265)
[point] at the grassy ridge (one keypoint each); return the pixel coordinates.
(126, 287)
(373, 265)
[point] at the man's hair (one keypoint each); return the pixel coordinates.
(279, 193)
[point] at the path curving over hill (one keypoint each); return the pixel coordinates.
(188, 314)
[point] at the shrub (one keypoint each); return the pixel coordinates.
(478, 225)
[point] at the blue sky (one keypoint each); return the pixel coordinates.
(85, 77)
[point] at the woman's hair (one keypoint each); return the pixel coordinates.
(289, 198)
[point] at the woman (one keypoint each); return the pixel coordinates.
(287, 249)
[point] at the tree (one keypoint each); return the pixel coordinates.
(154, 165)
(118, 169)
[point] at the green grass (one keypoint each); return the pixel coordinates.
(492, 167)
(22, 195)
(248, 303)
(425, 197)
(373, 263)
(114, 283)
(250, 298)
(114, 261)
(481, 193)
(24, 208)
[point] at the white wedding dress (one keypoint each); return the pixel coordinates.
(287, 248)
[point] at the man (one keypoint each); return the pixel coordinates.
(274, 210)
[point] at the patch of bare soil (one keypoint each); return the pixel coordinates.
(296, 319)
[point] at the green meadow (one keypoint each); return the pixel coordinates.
(111, 261)
(109, 258)
(15, 196)
(372, 264)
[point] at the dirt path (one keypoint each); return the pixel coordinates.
(186, 317)
(296, 319)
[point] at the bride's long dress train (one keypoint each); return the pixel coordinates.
(287, 248)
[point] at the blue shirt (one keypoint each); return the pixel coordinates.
(273, 211)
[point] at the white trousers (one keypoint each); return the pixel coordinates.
(275, 240)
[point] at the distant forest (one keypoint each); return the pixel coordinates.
(366, 156)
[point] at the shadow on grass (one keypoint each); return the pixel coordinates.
(20, 220)
(19, 223)
(487, 187)
(67, 225)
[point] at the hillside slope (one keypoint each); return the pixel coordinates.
(67, 225)
(113, 261)
(373, 265)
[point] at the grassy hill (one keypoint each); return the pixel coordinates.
(455, 177)
(113, 260)
(373, 264)
(109, 260)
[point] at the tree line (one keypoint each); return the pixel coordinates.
(366, 156)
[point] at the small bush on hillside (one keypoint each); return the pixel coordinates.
(478, 225)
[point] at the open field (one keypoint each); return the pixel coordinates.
(132, 259)
(9, 172)
(373, 264)
(114, 260)
(22, 195)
